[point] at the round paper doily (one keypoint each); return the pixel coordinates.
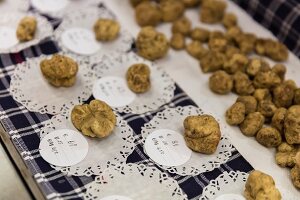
(12, 19)
(172, 118)
(102, 152)
(86, 18)
(162, 86)
(134, 182)
(30, 88)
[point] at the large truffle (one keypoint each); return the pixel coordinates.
(202, 133)
(60, 71)
(95, 119)
(138, 78)
(151, 44)
(26, 29)
(106, 29)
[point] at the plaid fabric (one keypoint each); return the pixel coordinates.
(281, 17)
(24, 126)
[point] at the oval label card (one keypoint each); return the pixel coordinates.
(114, 91)
(116, 197)
(63, 147)
(8, 37)
(80, 40)
(230, 197)
(167, 147)
(49, 5)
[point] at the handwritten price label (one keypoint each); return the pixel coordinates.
(49, 5)
(116, 197)
(63, 147)
(167, 147)
(8, 37)
(80, 40)
(114, 91)
(230, 197)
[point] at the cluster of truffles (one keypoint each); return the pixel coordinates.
(202, 133)
(95, 119)
(26, 29)
(59, 71)
(261, 186)
(106, 29)
(138, 78)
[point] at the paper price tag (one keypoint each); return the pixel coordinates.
(49, 5)
(80, 41)
(116, 197)
(114, 91)
(8, 37)
(230, 197)
(167, 147)
(63, 147)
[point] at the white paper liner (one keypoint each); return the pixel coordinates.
(86, 18)
(162, 86)
(12, 19)
(10, 5)
(102, 152)
(136, 182)
(172, 118)
(234, 182)
(32, 90)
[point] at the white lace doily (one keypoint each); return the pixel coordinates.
(10, 5)
(162, 86)
(86, 18)
(102, 152)
(12, 19)
(30, 88)
(234, 183)
(134, 182)
(172, 118)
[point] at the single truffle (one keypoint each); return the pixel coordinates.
(233, 32)
(220, 82)
(229, 20)
(286, 154)
(266, 108)
(260, 186)
(26, 29)
(271, 48)
(246, 42)
(182, 25)
(283, 94)
(106, 29)
(177, 41)
(252, 124)
(280, 70)
(196, 49)
(262, 94)
(148, 14)
(266, 79)
(250, 103)
(202, 133)
(212, 61)
(171, 10)
(95, 119)
(242, 84)
(217, 44)
(138, 78)
(212, 11)
(255, 65)
(269, 137)
(200, 34)
(151, 44)
(235, 115)
(237, 62)
(60, 71)
(292, 125)
(278, 119)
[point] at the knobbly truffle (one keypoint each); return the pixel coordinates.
(235, 115)
(255, 65)
(237, 62)
(212, 61)
(26, 29)
(202, 133)
(280, 70)
(231, 50)
(171, 10)
(250, 103)
(95, 119)
(220, 82)
(106, 29)
(278, 119)
(246, 42)
(262, 94)
(138, 78)
(266, 108)
(260, 186)
(151, 44)
(60, 71)
(200, 34)
(271, 48)
(212, 11)
(286, 154)
(252, 124)
(196, 49)
(266, 79)
(182, 25)
(283, 94)
(148, 14)
(242, 84)
(292, 125)
(229, 20)
(217, 44)
(177, 41)
(269, 137)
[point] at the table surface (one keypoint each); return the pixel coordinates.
(185, 71)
